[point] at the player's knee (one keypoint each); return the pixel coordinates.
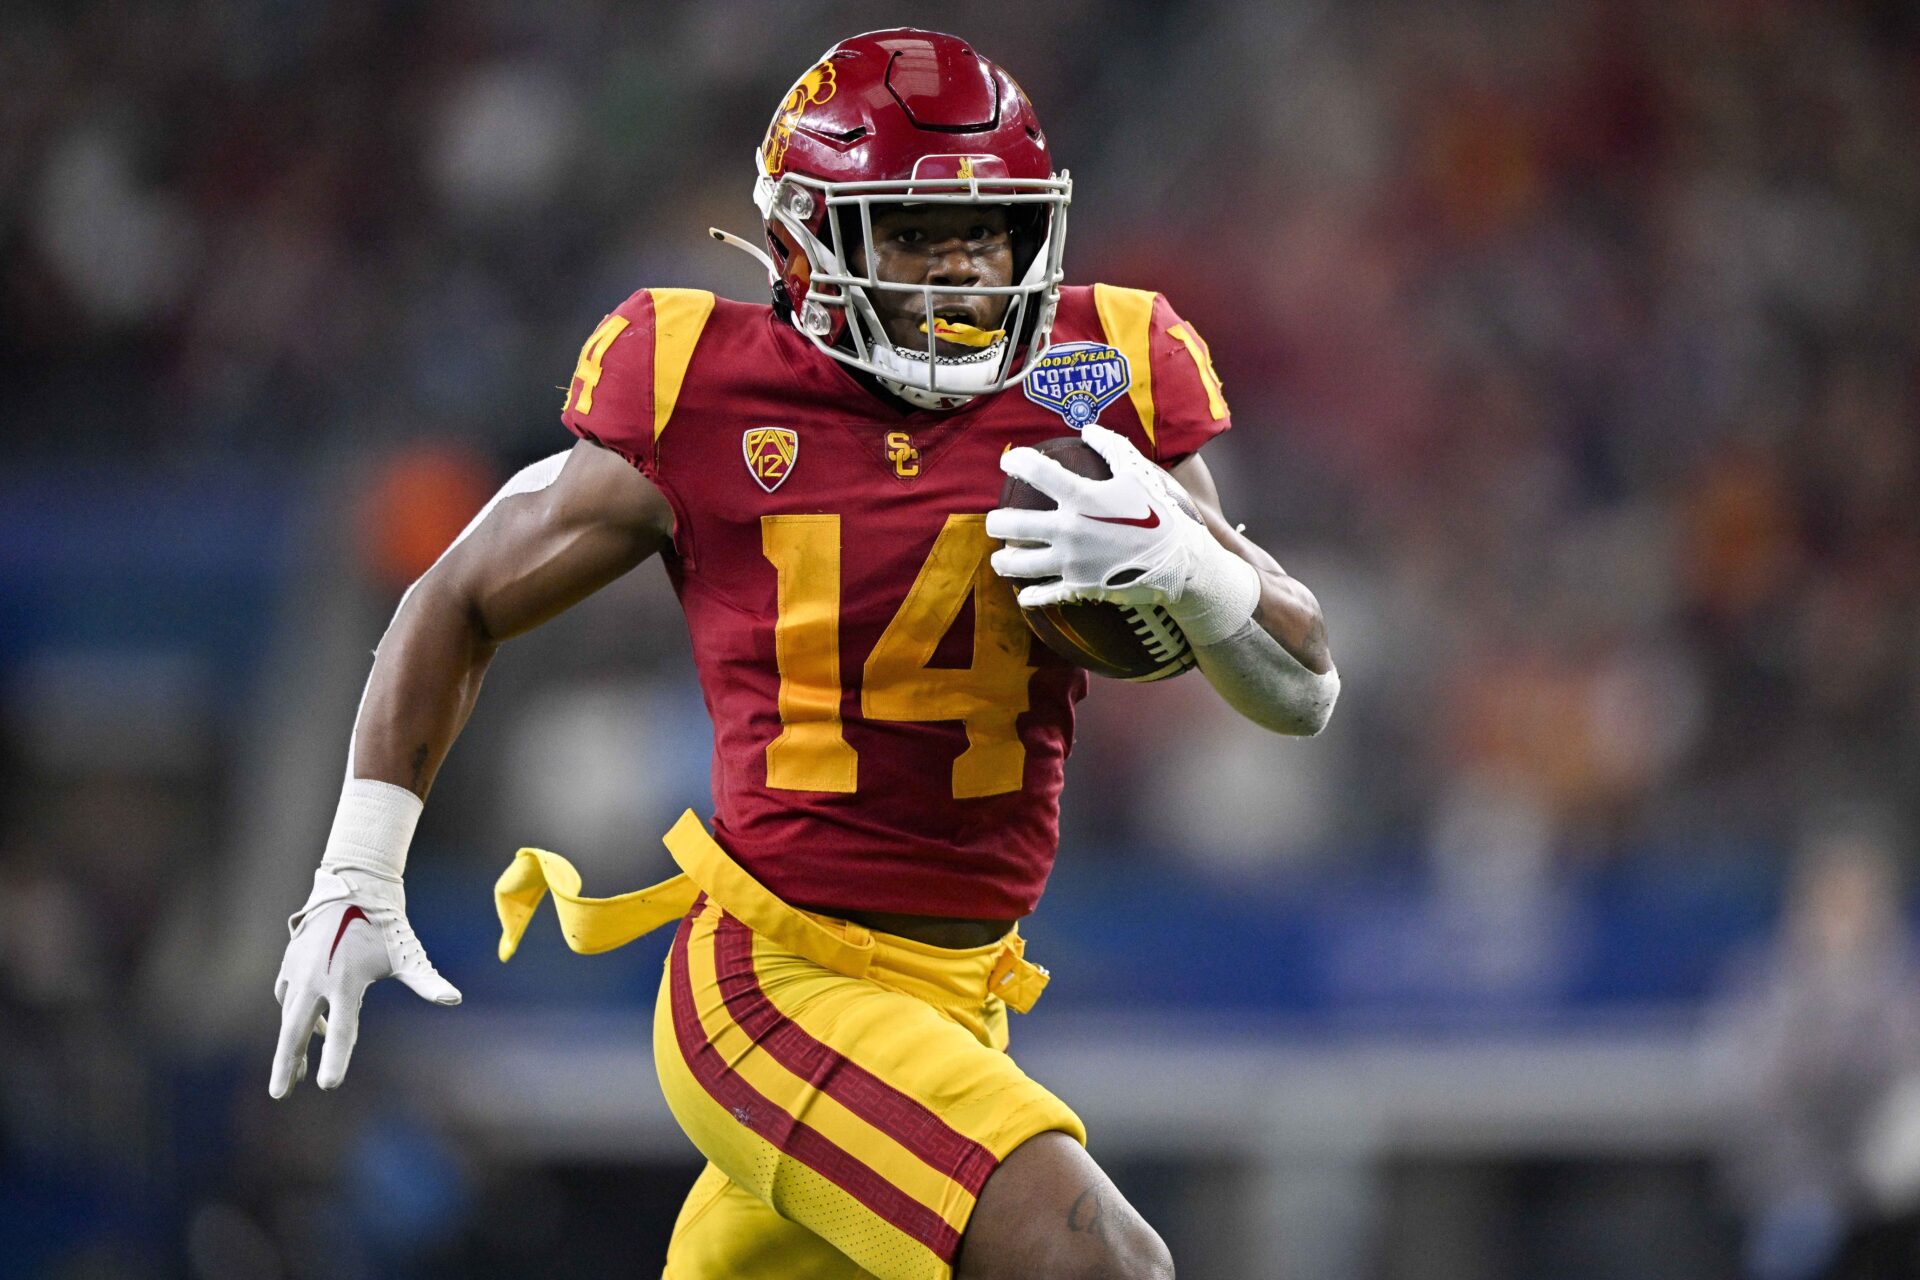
(1050, 1211)
(1157, 1263)
(1127, 1249)
(1148, 1261)
(1143, 1259)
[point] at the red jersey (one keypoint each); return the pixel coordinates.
(888, 734)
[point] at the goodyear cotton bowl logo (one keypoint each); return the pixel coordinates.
(1077, 380)
(810, 90)
(770, 453)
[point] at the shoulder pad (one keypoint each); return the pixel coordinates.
(1126, 317)
(679, 317)
(1174, 390)
(631, 370)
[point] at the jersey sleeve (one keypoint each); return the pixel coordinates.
(628, 379)
(1175, 393)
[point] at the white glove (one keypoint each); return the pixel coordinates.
(351, 933)
(1134, 539)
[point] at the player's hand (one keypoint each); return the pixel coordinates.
(352, 932)
(1134, 539)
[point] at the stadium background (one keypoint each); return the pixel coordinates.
(1573, 353)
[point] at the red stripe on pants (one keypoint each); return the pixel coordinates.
(900, 1116)
(791, 1136)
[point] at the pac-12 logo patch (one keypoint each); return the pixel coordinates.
(1077, 380)
(770, 453)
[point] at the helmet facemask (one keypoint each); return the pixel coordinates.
(837, 313)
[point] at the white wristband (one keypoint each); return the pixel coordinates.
(1220, 597)
(372, 828)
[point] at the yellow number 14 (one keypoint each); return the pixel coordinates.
(811, 752)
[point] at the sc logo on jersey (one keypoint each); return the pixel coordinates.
(1077, 380)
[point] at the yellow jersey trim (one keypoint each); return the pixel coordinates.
(1203, 361)
(1126, 317)
(679, 317)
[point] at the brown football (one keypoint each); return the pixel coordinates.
(1127, 642)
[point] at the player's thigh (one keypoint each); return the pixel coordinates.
(858, 1112)
(725, 1232)
(1050, 1210)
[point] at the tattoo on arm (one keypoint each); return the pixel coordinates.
(1088, 1214)
(419, 766)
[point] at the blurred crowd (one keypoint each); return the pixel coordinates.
(1571, 346)
(1572, 349)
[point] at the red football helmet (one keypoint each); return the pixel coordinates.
(907, 116)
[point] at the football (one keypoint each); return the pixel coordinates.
(1127, 642)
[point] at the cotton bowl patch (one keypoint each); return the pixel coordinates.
(1077, 380)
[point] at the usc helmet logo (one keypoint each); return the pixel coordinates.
(810, 90)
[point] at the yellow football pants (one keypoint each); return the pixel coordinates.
(851, 1090)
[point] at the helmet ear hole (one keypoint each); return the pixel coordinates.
(782, 254)
(796, 268)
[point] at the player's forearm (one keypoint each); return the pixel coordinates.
(426, 679)
(1287, 610)
(1276, 670)
(1256, 676)
(1283, 606)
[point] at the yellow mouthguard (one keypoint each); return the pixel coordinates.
(964, 334)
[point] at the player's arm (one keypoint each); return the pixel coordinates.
(1277, 670)
(1287, 611)
(558, 531)
(533, 555)
(1145, 537)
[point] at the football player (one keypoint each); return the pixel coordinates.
(820, 478)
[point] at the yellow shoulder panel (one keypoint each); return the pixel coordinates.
(1126, 317)
(679, 316)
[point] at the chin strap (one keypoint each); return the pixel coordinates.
(753, 251)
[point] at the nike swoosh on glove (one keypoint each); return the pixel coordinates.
(351, 933)
(1136, 539)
